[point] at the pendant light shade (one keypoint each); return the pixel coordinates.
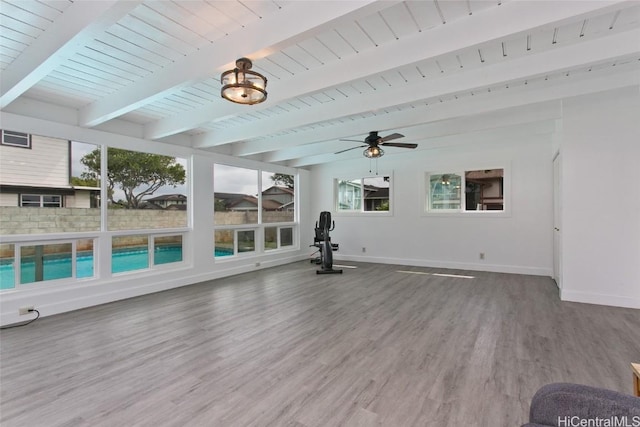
(243, 86)
(373, 152)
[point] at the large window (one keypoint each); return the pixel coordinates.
(144, 190)
(465, 191)
(252, 197)
(369, 194)
(137, 191)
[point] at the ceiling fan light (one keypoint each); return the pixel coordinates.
(373, 152)
(243, 86)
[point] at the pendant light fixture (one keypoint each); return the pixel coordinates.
(243, 86)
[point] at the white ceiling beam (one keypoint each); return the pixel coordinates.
(548, 62)
(294, 22)
(495, 101)
(481, 28)
(78, 25)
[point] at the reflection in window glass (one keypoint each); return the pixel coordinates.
(484, 190)
(444, 191)
(369, 194)
(286, 236)
(45, 262)
(376, 193)
(270, 238)
(129, 253)
(7, 270)
(349, 195)
(167, 249)
(84, 258)
(146, 191)
(223, 242)
(235, 194)
(246, 241)
(277, 197)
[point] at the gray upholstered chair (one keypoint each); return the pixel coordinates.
(556, 404)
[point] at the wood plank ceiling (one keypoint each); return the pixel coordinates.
(336, 69)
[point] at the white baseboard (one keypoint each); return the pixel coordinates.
(496, 268)
(599, 299)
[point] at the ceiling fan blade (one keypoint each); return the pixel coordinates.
(390, 137)
(352, 140)
(399, 144)
(349, 149)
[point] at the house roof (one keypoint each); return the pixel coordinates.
(279, 189)
(335, 70)
(167, 197)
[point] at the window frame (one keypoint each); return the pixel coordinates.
(73, 279)
(462, 212)
(27, 137)
(41, 200)
(362, 211)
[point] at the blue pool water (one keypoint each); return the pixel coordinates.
(59, 266)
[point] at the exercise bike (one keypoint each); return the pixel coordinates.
(322, 241)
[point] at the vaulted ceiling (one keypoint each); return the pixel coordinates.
(335, 69)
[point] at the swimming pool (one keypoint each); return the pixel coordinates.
(59, 266)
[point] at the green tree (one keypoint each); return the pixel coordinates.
(282, 179)
(383, 206)
(219, 205)
(136, 174)
(84, 182)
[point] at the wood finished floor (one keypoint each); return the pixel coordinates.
(287, 347)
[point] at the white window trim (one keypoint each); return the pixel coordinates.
(362, 212)
(16, 134)
(506, 191)
(41, 196)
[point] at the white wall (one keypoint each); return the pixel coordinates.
(520, 242)
(601, 198)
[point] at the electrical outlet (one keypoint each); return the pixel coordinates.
(25, 310)
(364, 249)
(481, 255)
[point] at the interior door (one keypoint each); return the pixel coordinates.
(557, 226)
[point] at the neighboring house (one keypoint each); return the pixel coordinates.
(167, 201)
(351, 194)
(282, 196)
(36, 171)
(376, 198)
(273, 199)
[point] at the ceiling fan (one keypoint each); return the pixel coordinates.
(374, 141)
